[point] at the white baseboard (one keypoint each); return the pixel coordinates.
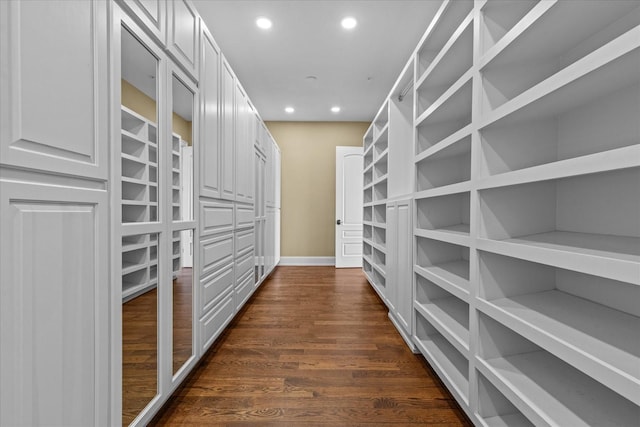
(307, 260)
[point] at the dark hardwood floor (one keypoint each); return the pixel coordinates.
(313, 347)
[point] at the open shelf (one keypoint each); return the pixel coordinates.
(367, 213)
(367, 250)
(600, 73)
(380, 191)
(381, 167)
(587, 321)
(445, 214)
(551, 43)
(599, 125)
(450, 65)
(451, 365)
(133, 123)
(380, 236)
(367, 178)
(451, 14)
(546, 389)
(139, 264)
(452, 276)
(495, 410)
(368, 139)
(381, 122)
(381, 143)
(579, 222)
(448, 313)
(379, 258)
(451, 165)
(367, 195)
(443, 263)
(367, 232)
(499, 17)
(380, 214)
(448, 115)
(368, 159)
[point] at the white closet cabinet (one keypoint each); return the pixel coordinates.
(183, 35)
(228, 147)
(526, 233)
(210, 143)
(244, 147)
(151, 14)
(54, 214)
(399, 264)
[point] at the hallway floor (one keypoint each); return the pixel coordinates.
(313, 347)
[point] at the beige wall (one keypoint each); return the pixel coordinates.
(140, 103)
(308, 182)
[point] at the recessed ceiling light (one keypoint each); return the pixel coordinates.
(289, 110)
(264, 23)
(349, 23)
(335, 109)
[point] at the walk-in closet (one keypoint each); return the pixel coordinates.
(175, 217)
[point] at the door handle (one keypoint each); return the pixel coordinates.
(338, 222)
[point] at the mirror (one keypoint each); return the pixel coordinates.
(182, 212)
(140, 206)
(139, 324)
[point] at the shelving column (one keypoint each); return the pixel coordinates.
(376, 158)
(444, 245)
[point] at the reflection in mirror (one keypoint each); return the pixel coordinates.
(183, 304)
(139, 184)
(182, 210)
(139, 323)
(139, 132)
(182, 152)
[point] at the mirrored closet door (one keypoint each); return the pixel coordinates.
(182, 95)
(154, 173)
(141, 226)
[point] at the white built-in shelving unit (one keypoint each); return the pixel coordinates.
(139, 159)
(527, 209)
(139, 180)
(376, 174)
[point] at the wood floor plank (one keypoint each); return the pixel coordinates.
(313, 347)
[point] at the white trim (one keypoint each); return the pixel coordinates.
(307, 260)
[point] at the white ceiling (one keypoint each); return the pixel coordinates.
(355, 69)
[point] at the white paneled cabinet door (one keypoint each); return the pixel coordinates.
(243, 146)
(183, 34)
(399, 265)
(54, 113)
(210, 119)
(151, 13)
(228, 154)
(54, 248)
(53, 329)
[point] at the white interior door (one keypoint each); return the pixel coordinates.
(348, 207)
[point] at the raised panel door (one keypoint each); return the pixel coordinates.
(210, 150)
(228, 134)
(151, 14)
(404, 264)
(54, 305)
(391, 288)
(53, 80)
(242, 158)
(183, 35)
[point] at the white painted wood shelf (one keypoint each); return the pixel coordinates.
(526, 155)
